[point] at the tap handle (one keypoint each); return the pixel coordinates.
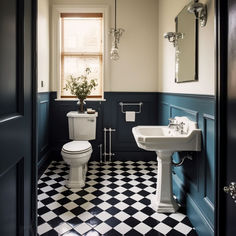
(172, 120)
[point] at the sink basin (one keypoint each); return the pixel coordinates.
(153, 138)
(181, 135)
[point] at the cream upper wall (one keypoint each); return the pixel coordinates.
(168, 9)
(136, 70)
(43, 45)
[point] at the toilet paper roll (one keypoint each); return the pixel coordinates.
(130, 116)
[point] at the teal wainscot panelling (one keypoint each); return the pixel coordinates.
(43, 127)
(194, 181)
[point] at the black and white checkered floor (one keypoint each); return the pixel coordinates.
(115, 201)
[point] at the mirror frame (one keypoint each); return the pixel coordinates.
(195, 76)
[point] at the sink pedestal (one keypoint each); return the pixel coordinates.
(163, 201)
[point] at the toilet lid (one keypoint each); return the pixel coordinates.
(76, 147)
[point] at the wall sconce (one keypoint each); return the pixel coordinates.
(173, 37)
(116, 33)
(200, 11)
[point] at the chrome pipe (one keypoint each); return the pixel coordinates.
(110, 154)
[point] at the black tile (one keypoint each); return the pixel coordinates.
(174, 232)
(74, 222)
(129, 201)
(77, 211)
(132, 222)
(113, 201)
(47, 201)
(64, 201)
(153, 232)
(55, 222)
(95, 210)
(52, 193)
(192, 233)
(128, 193)
(60, 210)
(80, 201)
(113, 222)
(148, 211)
(170, 222)
(133, 232)
(43, 210)
(113, 210)
(143, 193)
(93, 221)
(112, 232)
(113, 193)
(145, 201)
(71, 233)
(151, 222)
(52, 232)
(130, 210)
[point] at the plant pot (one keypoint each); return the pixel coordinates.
(81, 106)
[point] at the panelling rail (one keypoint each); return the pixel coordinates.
(106, 156)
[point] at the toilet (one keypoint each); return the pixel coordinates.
(82, 127)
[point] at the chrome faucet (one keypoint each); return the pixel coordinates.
(177, 126)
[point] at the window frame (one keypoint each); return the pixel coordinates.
(56, 44)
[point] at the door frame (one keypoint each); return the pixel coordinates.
(34, 173)
(221, 42)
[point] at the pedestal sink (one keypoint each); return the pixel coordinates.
(182, 134)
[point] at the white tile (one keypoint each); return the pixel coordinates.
(136, 197)
(42, 196)
(142, 228)
(121, 205)
(184, 229)
(90, 189)
(103, 228)
(122, 228)
(121, 197)
(57, 197)
(105, 189)
(159, 216)
(62, 228)
(122, 216)
(177, 216)
(135, 189)
(70, 205)
(50, 182)
(53, 205)
(48, 216)
(134, 182)
(163, 228)
(104, 205)
(138, 205)
(85, 216)
(120, 189)
(103, 216)
(73, 196)
(119, 182)
(44, 228)
(89, 197)
(67, 216)
(82, 228)
(87, 206)
(140, 216)
(46, 189)
(40, 204)
(105, 197)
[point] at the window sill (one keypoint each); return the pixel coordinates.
(76, 99)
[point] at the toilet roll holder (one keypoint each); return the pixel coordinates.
(122, 104)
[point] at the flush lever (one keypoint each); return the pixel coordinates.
(231, 189)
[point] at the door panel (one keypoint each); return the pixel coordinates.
(17, 195)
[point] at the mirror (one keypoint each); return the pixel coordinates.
(186, 50)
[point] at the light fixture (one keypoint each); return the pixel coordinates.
(116, 33)
(200, 11)
(173, 37)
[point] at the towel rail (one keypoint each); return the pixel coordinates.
(122, 104)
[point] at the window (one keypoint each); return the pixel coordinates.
(81, 47)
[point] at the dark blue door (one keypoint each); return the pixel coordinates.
(16, 160)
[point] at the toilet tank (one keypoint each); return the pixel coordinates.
(82, 126)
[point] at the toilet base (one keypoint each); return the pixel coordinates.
(77, 176)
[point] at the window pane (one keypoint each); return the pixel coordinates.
(76, 65)
(82, 35)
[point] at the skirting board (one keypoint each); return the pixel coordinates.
(195, 215)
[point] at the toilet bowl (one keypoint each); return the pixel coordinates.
(77, 154)
(82, 127)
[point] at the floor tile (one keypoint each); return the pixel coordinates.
(114, 201)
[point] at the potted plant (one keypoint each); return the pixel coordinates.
(81, 87)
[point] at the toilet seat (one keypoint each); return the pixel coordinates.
(77, 147)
